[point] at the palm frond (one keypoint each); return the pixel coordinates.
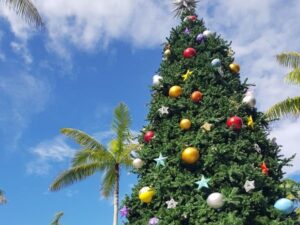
(76, 174)
(83, 139)
(2, 197)
(289, 59)
(108, 182)
(288, 106)
(57, 218)
(87, 156)
(293, 77)
(125, 158)
(27, 10)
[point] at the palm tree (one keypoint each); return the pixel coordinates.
(94, 157)
(57, 218)
(2, 197)
(27, 10)
(290, 106)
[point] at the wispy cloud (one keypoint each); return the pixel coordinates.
(21, 49)
(48, 153)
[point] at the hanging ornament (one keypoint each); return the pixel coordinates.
(175, 91)
(148, 136)
(124, 211)
(190, 19)
(249, 99)
(171, 204)
(215, 200)
(207, 126)
(187, 31)
(163, 110)
(203, 182)
(189, 53)
(264, 168)
(190, 155)
(160, 161)
(207, 33)
(185, 124)
(153, 221)
(187, 75)
(235, 122)
(196, 96)
(184, 6)
(156, 80)
(285, 206)
(146, 194)
(167, 53)
(137, 163)
(234, 68)
(216, 62)
(200, 38)
(230, 52)
(249, 185)
(250, 122)
(257, 148)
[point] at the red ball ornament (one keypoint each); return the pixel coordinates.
(148, 136)
(192, 18)
(196, 96)
(235, 122)
(189, 53)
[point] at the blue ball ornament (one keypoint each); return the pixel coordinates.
(200, 38)
(285, 206)
(216, 62)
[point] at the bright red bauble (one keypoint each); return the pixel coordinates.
(192, 18)
(148, 136)
(235, 122)
(189, 53)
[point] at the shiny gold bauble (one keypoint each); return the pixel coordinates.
(175, 91)
(190, 155)
(234, 68)
(146, 194)
(167, 53)
(185, 124)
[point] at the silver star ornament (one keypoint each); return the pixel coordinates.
(163, 110)
(249, 185)
(171, 204)
(182, 6)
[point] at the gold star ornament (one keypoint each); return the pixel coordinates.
(187, 75)
(250, 122)
(207, 126)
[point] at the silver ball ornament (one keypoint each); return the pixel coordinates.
(207, 33)
(156, 80)
(137, 163)
(249, 100)
(215, 200)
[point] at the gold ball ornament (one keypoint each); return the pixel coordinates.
(234, 68)
(190, 155)
(167, 53)
(185, 124)
(146, 194)
(175, 91)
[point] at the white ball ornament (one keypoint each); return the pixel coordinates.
(157, 80)
(207, 33)
(249, 100)
(215, 200)
(137, 163)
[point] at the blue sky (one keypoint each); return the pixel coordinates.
(94, 55)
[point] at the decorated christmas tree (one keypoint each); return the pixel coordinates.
(206, 157)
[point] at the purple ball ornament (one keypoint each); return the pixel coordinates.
(124, 211)
(200, 38)
(153, 221)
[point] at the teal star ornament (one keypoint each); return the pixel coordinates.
(203, 182)
(160, 160)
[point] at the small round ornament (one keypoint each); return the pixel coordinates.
(185, 124)
(189, 53)
(235, 122)
(200, 38)
(137, 163)
(215, 200)
(196, 96)
(148, 136)
(190, 155)
(285, 206)
(156, 80)
(192, 18)
(234, 68)
(146, 194)
(175, 91)
(249, 100)
(207, 33)
(216, 62)
(167, 53)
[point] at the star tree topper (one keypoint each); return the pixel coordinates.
(203, 182)
(171, 204)
(184, 6)
(160, 160)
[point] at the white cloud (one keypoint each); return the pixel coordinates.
(21, 48)
(47, 153)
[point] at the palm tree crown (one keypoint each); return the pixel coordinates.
(290, 106)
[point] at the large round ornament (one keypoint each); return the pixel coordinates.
(196, 96)
(156, 80)
(189, 53)
(249, 100)
(175, 91)
(235, 122)
(234, 68)
(148, 136)
(215, 200)
(146, 194)
(137, 163)
(167, 53)
(190, 155)
(200, 38)
(185, 124)
(216, 62)
(207, 33)
(285, 206)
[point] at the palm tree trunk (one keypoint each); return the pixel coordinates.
(116, 194)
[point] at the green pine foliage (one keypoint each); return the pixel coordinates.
(227, 157)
